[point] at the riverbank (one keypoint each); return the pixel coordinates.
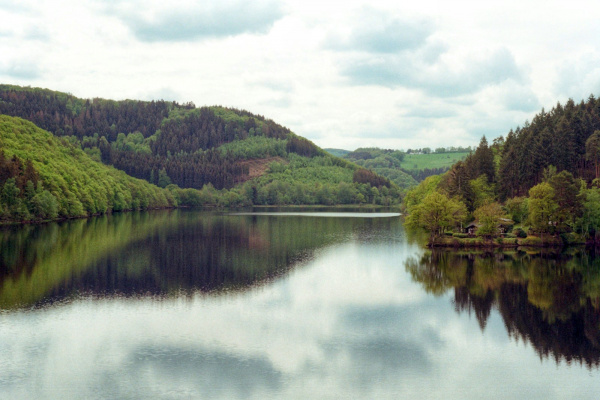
(214, 207)
(503, 242)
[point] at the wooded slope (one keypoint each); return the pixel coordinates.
(44, 177)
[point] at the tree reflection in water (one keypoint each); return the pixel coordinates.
(166, 253)
(550, 300)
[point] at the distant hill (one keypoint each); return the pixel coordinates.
(405, 169)
(337, 152)
(415, 162)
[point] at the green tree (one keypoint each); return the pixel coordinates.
(517, 208)
(566, 191)
(592, 151)
(10, 193)
(44, 205)
(482, 192)
(346, 193)
(542, 208)
(437, 213)
(489, 216)
(589, 222)
(163, 178)
(484, 161)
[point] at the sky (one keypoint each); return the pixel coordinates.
(345, 74)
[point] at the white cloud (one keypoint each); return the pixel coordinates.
(355, 74)
(376, 31)
(579, 77)
(162, 22)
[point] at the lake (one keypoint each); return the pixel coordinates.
(321, 305)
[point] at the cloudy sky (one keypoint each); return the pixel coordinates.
(391, 74)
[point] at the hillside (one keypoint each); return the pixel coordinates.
(562, 137)
(543, 177)
(204, 156)
(145, 138)
(44, 177)
(432, 161)
(404, 169)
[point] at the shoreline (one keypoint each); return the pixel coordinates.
(364, 207)
(530, 241)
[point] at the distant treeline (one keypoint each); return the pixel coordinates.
(420, 174)
(440, 150)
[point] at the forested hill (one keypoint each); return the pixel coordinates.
(204, 156)
(567, 137)
(42, 177)
(384, 162)
(544, 176)
(149, 140)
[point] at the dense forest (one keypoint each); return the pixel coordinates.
(147, 139)
(43, 178)
(543, 177)
(202, 156)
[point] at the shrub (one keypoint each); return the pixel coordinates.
(531, 241)
(520, 233)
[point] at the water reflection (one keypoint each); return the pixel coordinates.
(161, 253)
(179, 305)
(550, 300)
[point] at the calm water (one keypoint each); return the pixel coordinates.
(180, 305)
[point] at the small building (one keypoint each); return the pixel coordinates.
(503, 226)
(471, 229)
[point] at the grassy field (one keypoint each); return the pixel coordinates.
(422, 161)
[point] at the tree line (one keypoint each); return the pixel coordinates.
(543, 177)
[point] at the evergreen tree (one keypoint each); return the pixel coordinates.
(484, 161)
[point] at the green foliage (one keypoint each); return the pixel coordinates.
(254, 147)
(397, 176)
(436, 214)
(389, 163)
(44, 205)
(483, 161)
(566, 191)
(167, 143)
(489, 216)
(482, 192)
(520, 233)
(517, 208)
(542, 208)
(70, 183)
(134, 142)
(589, 222)
(415, 196)
(362, 175)
(592, 151)
(534, 241)
(337, 152)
